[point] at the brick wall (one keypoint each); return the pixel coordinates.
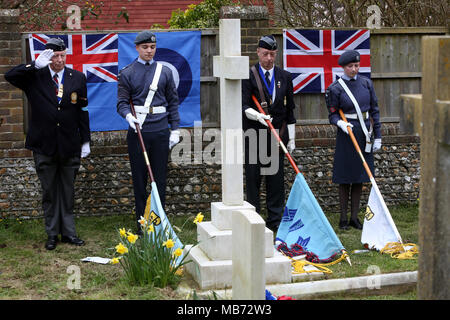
(11, 98)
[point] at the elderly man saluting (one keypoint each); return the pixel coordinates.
(58, 133)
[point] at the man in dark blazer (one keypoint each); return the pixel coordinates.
(58, 133)
(278, 93)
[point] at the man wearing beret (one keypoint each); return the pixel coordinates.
(151, 88)
(58, 134)
(277, 90)
(348, 170)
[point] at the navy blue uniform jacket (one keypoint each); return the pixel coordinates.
(53, 128)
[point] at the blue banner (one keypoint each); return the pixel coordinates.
(101, 56)
(305, 224)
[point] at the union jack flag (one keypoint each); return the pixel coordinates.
(311, 56)
(96, 55)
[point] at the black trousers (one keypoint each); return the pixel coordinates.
(275, 191)
(57, 176)
(157, 146)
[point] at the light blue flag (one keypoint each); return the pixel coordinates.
(305, 223)
(180, 52)
(160, 220)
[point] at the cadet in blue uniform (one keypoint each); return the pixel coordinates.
(58, 133)
(278, 93)
(156, 110)
(348, 170)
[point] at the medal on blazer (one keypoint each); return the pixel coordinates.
(60, 91)
(73, 98)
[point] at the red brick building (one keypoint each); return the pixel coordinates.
(142, 13)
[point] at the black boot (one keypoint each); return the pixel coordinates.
(355, 224)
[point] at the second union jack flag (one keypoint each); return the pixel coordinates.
(311, 56)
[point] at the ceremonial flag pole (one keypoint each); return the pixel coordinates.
(154, 212)
(304, 224)
(379, 227)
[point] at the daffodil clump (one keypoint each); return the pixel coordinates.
(150, 258)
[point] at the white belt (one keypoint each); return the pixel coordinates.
(152, 110)
(355, 115)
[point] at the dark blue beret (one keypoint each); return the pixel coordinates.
(268, 42)
(348, 56)
(145, 37)
(56, 44)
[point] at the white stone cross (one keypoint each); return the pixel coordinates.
(231, 68)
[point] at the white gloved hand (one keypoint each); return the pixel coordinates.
(174, 138)
(132, 120)
(44, 59)
(85, 150)
(377, 145)
(343, 125)
(252, 114)
(291, 145)
(291, 133)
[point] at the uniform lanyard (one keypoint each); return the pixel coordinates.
(272, 82)
(60, 88)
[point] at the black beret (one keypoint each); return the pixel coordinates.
(56, 44)
(268, 42)
(347, 57)
(145, 37)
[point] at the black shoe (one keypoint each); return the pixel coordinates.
(343, 225)
(72, 240)
(51, 242)
(355, 224)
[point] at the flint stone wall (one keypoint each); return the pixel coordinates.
(104, 184)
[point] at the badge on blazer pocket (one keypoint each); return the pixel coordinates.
(73, 97)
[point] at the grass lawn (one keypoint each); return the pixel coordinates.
(29, 271)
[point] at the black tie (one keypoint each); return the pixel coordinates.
(267, 74)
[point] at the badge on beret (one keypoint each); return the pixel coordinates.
(73, 97)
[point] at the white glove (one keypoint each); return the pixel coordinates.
(174, 138)
(377, 145)
(44, 59)
(132, 120)
(291, 143)
(252, 114)
(85, 150)
(343, 125)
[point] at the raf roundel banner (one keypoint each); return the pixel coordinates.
(101, 56)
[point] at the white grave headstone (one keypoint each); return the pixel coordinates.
(249, 278)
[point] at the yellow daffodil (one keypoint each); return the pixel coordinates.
(150, 229)
(178, 252)
(132, 238)
(114, 260)
(198, 218)
(122, 232)
(121, 249)
(168, 244)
